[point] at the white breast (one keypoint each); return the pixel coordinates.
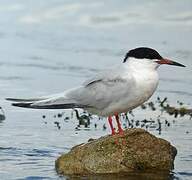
(146, 81)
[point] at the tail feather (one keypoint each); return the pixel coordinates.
(24, 105)
(25, 100)
(57, 101)
(51, 106)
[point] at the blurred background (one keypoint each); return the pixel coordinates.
(48, 46)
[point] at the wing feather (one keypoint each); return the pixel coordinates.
(98, 93)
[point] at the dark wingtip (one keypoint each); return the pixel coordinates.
(9, 99)
(14, 99)
(23, 105)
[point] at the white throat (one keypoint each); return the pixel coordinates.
(142, 64)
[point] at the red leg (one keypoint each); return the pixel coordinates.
(120, 130)
(111, 125)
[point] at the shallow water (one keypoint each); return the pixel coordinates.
(49, 46)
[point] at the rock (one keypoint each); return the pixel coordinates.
(137, 150)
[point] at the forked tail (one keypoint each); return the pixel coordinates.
(46, 103)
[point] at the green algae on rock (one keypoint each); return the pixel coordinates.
(137, 150)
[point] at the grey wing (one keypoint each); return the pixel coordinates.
(108, 74)
(101, 91)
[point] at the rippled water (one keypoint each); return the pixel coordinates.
(49, 46)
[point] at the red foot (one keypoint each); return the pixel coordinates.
(120, 142)
(113, 132)
(120, 130)
(116, 142)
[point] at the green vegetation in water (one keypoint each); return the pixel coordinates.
(128, 119)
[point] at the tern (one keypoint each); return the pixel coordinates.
(111, 92)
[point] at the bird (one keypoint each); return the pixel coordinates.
(115, 90)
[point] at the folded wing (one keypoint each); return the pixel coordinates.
(98, 92)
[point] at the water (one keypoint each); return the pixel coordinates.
(49, 46)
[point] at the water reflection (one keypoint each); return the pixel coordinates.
(2, 115)
(131, 176)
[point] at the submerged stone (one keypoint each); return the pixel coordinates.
(135, 151)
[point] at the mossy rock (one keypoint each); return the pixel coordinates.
(136, 150)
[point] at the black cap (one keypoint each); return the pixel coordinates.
(143, 52)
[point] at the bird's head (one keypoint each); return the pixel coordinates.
(148, 57)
